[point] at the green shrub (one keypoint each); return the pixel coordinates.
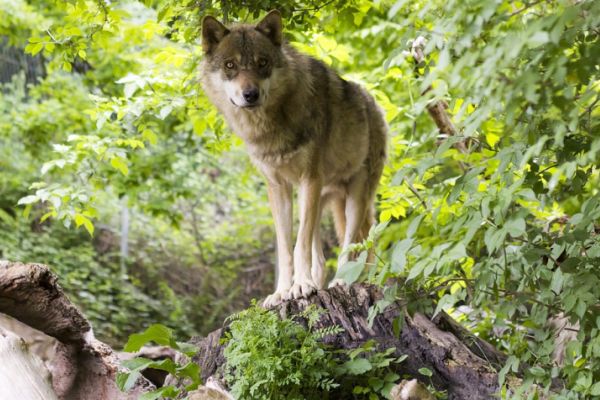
(273, 358)
(161, 335)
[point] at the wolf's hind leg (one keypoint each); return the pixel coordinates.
(366, 227)
(318, 258)
(357, 205)
(337, 203)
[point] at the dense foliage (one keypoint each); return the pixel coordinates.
(499, 222)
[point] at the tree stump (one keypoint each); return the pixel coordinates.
(462, 364)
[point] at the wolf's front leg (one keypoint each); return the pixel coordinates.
(309, 196)
(280, 200)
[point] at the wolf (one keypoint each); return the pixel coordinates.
(302, 125)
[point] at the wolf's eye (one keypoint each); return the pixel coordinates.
(229, 65)
(262, 62)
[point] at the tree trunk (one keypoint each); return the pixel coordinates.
(462, 364)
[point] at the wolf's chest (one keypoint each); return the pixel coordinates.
(290, 165)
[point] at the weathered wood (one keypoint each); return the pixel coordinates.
(22, 374)
(462, 364)
(30, 293)
(82, 367)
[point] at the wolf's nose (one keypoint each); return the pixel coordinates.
(250, 95)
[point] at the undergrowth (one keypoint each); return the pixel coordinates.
(273, 358)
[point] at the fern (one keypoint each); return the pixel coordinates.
(272, 358)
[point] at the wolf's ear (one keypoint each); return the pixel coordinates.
(271, 26)
(212, 33)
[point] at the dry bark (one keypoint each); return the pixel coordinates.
(462, 364)
(81, 367)
(30, 293)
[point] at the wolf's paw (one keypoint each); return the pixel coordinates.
(337, 282)
(302, 289)
(274, 299)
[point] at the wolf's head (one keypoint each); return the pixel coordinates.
(243, 58)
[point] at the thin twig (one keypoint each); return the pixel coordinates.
(416, 193)
(528, 6)
(316, 8)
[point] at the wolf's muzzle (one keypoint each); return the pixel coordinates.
(251, 95)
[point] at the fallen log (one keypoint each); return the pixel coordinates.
(81, 367)
(463, 365)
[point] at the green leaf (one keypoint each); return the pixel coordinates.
(350, 271)
(570, 265)
(156, 333)
(166, 392)
(418, 268)
(425, 371)
(28, 200)
(399, 255)
(187, 348)
(126, 380)
(137, 363)
(192, 371)
(81, 219)
(456, 253)
(119, 164)
(414, 225)
(357, 366)
(376, 230)
(494, 238)
(165, 111)
(129, 89)
(391, 377)
(447, 300)
(515, 227)
(557, 281)
(34, 48)
(150, 136)
(537, 39)
(397, 325)
(595, 389)
(537, 371)
(49, 214)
